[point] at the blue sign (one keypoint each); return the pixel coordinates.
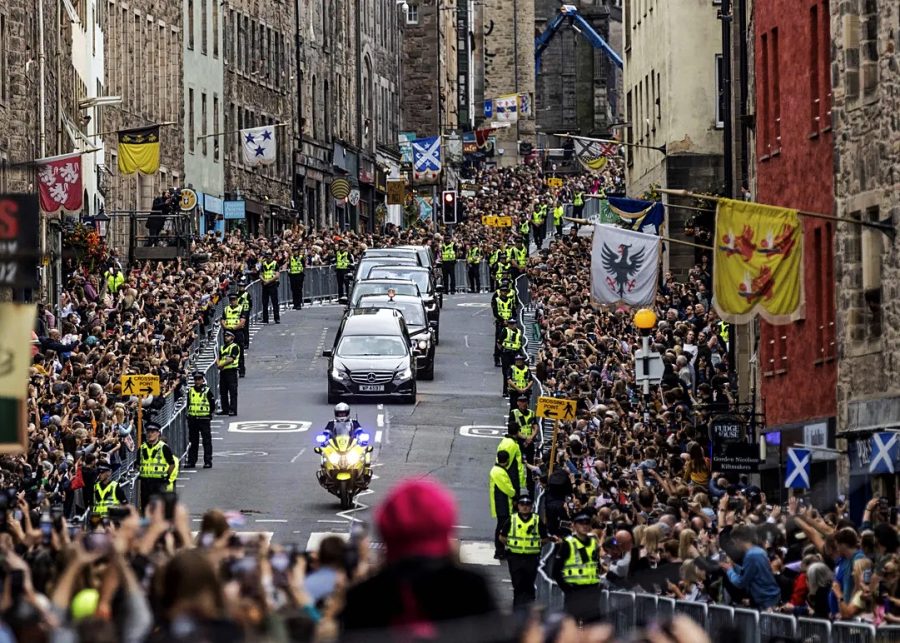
(884, 452)
(489, 108)
(212, 204)
(234, 210)
(797, 473)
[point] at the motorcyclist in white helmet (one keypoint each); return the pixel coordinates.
(342, 417)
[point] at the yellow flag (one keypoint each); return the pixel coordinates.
(758, 263)
(139, 150)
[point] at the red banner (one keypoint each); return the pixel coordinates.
(59, 183)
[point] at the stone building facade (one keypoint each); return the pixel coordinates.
(144, 63)
(866, 79)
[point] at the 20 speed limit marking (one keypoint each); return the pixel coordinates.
(269, 426)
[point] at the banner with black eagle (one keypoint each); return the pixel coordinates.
(624, 266)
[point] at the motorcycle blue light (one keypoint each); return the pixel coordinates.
(363, 438)
(321, 438)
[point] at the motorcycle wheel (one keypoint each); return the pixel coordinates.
(345, 495)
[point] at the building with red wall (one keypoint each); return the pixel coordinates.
(794, 147)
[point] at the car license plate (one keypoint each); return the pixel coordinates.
(371, 388)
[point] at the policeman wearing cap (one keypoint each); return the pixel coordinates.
(577, 569)
(158, 465)
(268, 274)
(524, 423)
(107, 492)
(500, 492)
(503, 305)
(296, 264)
(510, 344)
(523, 535)
(520, 381)
(246, 302)
(229, 358)
(233, 320)
(342, 261)
(201, 403)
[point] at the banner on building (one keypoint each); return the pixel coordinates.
(796, 474)
(396, 192)
(17, 320)
(526, 106)
(405, 141)
(758, 261)
(643, 216)
(139, 150)
(624, 266)
(506, 108)
(259, 145)
(593, 155)
(488, 108)
(59, 183)
(426, 157)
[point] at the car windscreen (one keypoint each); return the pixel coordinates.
(413, 313)
(363, 288)
(412, 255)
(421, 277)
(371, 346)
(366, 265)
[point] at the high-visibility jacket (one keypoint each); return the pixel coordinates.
(296, 265)
(524, 227)
(231, 316)
(448, 252)
(723, 331)
(516, 468)
(505, 306)
(579, 198)
(499, 484)
(474, 255)
(512, 339)
(104, 497)
(580, 568)
(524, 422)
(498, 255)
(524, 536)
(154, 465)
(341, 260)
(244, 301)
(539, 216)
(521, 255)
(520, 376)
(234, 352)
(198, 403)
(268, 270)
(114, 281)
(558, 213)
(503, 269)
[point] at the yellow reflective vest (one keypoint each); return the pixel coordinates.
(296, 265)
(104, 497)
(524, 422)
(520, 377)
(154, 465)
(114, 281)
(198, 403)
(512, 339)
(521, 255)
(505, 306)
(231, 316)
(524, 536)
(341, 260)
(580, 568)
(558, 213)
(474, 255)
(499, 482)
(234, 352)
(516, 468)
(268, 270)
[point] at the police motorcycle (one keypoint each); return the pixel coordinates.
(345, 469)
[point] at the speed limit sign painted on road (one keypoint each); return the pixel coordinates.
(482, 431)
(269, 426)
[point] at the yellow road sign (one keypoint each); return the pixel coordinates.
(140, 385)
(555, 408)
(496, 222)
(554, 182)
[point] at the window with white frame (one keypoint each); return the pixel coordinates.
(412, 14)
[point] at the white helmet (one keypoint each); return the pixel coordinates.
(342, 411)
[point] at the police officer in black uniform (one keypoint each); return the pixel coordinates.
(268, 274)
(246, 302)
(342, 262)
(523, 534)
(233, 320)
(449, 253)
(201, 403)
(526, 425)
(157, 464)
(296, 275)
(229, 357)
(503, 305)
(510, 344)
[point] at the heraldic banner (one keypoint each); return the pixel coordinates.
(624, 266)
(758, 262)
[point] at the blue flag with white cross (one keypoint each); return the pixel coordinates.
(796, 476)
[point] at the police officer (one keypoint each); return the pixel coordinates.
(229, 357)
(246, 303)
(268, 274)
(342, 261)
(158, 465)
(516, 468)
(526, 426)
(473, 262)
(519, 257)
(114, 279)
(503, 269)
(576, 570)
(523, 536)
(539, 224)
(503, 305)
(500, 493)
(510, 344)
(448, 264)
(201, 403)
(107, 493)
(233, 320)
(520, 381)
(578, 203)
(500, 254)
(524, 226)
(296, 264)
(558, 213)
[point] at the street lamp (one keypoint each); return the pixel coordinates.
(101, 222)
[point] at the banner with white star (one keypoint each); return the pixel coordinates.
(258, 145)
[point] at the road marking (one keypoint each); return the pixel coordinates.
(302, 451)
(380, 420)
(461, 527)
(381, 407)
(466, 337)
(240, 454)
(473, 304)
(269, 426)
(271, 388)
(477, 553)
(378, 436)
(334, 522)
(482, 431)
(270, 520)
(218, 438)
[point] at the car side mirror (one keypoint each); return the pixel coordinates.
(318, 450)
(327, 353)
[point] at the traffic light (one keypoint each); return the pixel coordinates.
(448, 206)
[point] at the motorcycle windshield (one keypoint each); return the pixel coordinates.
(343, 429)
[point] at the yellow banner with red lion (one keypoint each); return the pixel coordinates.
(758, 263)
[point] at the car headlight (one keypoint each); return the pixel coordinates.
(430, 305)
(352, 458)
(334, 458)
(338, 375)
(423, 345)
(404, 374)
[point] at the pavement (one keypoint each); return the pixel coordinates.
(264, 464)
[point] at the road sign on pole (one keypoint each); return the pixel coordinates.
(555, 408)
(140, 385)
(649, 367)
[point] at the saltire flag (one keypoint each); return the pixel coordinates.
(757, 265)
(796, 474)
(883, 447)
(426, 157)
(60, 184)
(643, 216)
(624, 266)
(139, 150)
(259, 145)
(593, 155)
(506, 108)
